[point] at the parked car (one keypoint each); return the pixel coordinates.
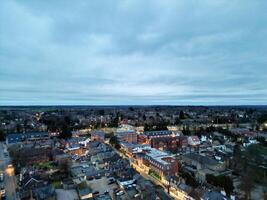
(111, 182)
(106, 192)
(120, 193)
(1, 176)
(2, 193)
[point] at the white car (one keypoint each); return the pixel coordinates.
(120, 193)
(1, 176)
(2, 192)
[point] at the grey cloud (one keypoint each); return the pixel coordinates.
(133, 52)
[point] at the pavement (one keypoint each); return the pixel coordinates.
(66, 194)
(9, 181)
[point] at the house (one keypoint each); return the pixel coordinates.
(100, 160)
(82, 141)
(45, 193)
(202, 162)
(210, 195)
(165, 143)
(75, 150)
(59, 155)
(183, 142)
(153, 134)
(16, 138)
(28, 156)
(30, 182)
(68, 184)
(98, 136)
(193, 141)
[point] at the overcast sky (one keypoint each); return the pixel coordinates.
(205, 52)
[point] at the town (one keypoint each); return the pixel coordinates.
(133, 152)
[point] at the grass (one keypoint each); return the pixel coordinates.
(56, 184)
(45, 165)
(154, 175)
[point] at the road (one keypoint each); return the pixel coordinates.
(9, 181)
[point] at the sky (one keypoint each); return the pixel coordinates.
(133, 52)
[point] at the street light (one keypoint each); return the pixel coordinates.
(10, 170)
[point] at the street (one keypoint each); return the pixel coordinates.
(9, 181)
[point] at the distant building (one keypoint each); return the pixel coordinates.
(81, 132)
(154, 134)
(98, 136)
(244, 132)
(148, 135)
(124, 127)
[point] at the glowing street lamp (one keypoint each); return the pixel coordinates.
(10, 170)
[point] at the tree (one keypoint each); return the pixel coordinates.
(18, 128)
(247, 184)
(2, 135)
(182, 115)
(65, 132)
(101, 112)
(131, 108)
(189, 179)
(262, 118)
(221, 181)
(176, 121)
(64, 166)
(114, 142)
(186, 131)
(144, 117)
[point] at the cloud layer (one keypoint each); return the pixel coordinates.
(133, 52)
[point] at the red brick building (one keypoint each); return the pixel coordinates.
(161, 163)
(169, 143)
(130, 137)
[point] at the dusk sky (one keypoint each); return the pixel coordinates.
(206, 52)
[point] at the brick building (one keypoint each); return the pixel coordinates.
(169, 143)
(130, 137)
(161, 163)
